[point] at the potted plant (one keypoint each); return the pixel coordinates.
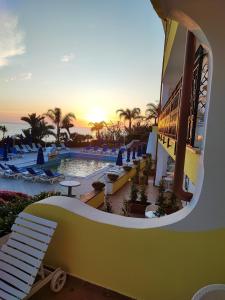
(133, 191)
(159, 212)
(143, 196)
(113, 177)
(127, 168)
(136, 162)
(107, 205)
(98, 186)
(134, 206)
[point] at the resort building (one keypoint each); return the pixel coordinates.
(174, 256)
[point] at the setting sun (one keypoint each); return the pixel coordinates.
(96, 115)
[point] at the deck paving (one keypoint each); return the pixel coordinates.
(80, 290)
(117, 199)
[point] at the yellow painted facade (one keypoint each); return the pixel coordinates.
(171, 29)
(118, 184)
(144, 264)
(191, 159)
(97, 200)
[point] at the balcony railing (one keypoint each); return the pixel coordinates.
(169, 116)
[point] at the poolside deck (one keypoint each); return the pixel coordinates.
(80, 290)
(33, 188)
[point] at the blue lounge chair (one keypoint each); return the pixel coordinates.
(18, 149)
(24, 149)
(17, 171)
(9, 171)
(30, 149)
(50, 176)
(63, 147)
(4, 170)
(34, 147)
(114, 151)
(33, 174)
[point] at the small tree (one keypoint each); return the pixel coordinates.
(143, 196)
(133, 191)
(108, 205)
(125, 210)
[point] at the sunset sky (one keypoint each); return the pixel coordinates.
(90, 57)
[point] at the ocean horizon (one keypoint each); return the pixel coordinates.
(14, 128)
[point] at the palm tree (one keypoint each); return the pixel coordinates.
(67, 122)
(45, 129)
(129, 115)
(34, 121)
(4, 130)
(55, 115)
(97, 126)
(40, 128)
(152, 112)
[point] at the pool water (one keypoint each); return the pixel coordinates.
(80, 167)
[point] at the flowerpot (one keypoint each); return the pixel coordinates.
(137, 207)
(127, 168)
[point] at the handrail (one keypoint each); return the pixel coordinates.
(183, 118)
(169, 116)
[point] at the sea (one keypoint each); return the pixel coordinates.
(16, 128)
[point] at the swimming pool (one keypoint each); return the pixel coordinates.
(81, 167)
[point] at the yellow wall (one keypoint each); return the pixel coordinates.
(97, 200)
(118, 184)
(191, 159)
(144, 264)
(171, 29)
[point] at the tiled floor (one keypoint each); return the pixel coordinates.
(117, 199)
(76, 289)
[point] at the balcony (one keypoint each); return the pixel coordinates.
(168, 120)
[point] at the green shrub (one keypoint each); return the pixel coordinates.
(12, 203)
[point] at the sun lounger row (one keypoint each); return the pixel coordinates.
(61, 147)
(100, 150)
(29, 173)
(22, 149)
(26, 148)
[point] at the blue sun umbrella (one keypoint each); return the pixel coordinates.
(8, 143)
(144, 148)
(40, 157)
(5, 152)
(133, 154)
(119, 160)
(29, 140)
(128, 155)
(139, 152)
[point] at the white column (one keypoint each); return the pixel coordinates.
(152, 141)
(161, 167)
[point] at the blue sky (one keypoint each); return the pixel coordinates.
(86, 56)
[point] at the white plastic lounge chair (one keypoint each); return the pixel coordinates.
(21, 259)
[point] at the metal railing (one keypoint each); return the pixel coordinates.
(169, 116)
